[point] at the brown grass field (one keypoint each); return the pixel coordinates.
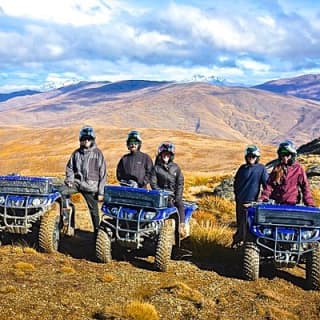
(204, 280)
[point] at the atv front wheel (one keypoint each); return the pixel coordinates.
(251, 261)
(164, 245)
(49, 233)
(313, 269)
(103, 247)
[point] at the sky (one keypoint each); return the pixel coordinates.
(46, 43)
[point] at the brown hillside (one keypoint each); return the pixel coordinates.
(228, 113)
(46, 151)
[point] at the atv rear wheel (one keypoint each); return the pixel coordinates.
(164, 245)
(103, 247)
(49, 232)
(251, 261)
(313, 269)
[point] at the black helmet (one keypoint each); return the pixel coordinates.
(134, 137)
(286, 147)
(167, 147)
(87, 131)
(252, 149)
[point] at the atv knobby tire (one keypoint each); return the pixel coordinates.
(49, 232)
(251, 261)
(164, 245)
(103, 247)
(313, 269)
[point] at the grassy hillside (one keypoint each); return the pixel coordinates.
(204, 281)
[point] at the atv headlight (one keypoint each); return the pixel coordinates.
(149, 215)
(36, 202)
(307, 234)
(267, 232)
(2, 199)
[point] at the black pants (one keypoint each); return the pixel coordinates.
(241, 215)
(178, 203)
(91, 200)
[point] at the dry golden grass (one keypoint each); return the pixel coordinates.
(207, 240)
(106, 277)
(183, 291)
(137, 310)
(68, 270)
(222, 209)
(24, 266)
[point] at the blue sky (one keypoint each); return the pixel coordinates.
(44, 42)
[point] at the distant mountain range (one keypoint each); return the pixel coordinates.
(8, 96)
(234, 113)
(306, 86)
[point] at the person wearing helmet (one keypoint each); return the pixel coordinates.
(167, 175)
(249, 179)
(135, 167)
(287, 179)
(86, 172)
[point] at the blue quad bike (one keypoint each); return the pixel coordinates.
(139, 219)
(285, 236)
(34, 206)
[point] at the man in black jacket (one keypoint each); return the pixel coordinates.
(135, 167)
(86, 172)
(167, 175)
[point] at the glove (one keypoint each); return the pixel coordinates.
(100, 197)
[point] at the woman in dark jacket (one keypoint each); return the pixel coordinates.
(287, 178)
(167, 175)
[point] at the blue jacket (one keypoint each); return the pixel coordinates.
(248, 181)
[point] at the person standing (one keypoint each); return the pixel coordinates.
(167, 175)
(86, 172)
(249, 179)
(134, 168)
(287, 179)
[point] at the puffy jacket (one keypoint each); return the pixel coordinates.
(248, 181)
(87, 169)
(287, 190)
(168, 177)
(135, 166)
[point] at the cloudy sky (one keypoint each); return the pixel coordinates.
(242, 41)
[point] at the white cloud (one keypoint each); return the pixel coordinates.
(75, 12)
(252, 65)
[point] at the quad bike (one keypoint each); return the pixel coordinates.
(33, 205)
(285, 236)
(136, 219)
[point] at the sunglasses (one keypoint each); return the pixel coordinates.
(86, 138)
(250, 155)
(285, 154)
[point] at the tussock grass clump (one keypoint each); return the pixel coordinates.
(203, 217)
(316, 196)
(208, 180)
(222, 209)
(183, 291)
(209, 241)
(24, 266)
(137, 310)
(106, 277)
(8, 289)
(68, 270)
(29, 250)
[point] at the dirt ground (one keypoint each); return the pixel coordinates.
(71, 284)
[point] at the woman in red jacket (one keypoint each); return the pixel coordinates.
(286, 178)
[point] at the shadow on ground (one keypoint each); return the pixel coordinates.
(79, 246)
